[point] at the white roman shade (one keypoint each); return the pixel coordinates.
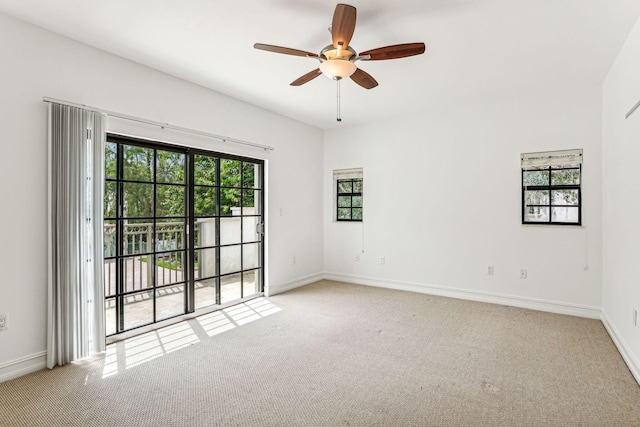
(347, 174)
(551, 158)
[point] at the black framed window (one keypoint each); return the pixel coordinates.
(183, 231)
(552, 188)
(349, 199)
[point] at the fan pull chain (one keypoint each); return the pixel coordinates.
(338, 118)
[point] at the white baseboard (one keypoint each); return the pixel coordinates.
(277, 289)
(471, 295)
(23, 366)
(628, 356)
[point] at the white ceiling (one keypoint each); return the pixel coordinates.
(475, 48)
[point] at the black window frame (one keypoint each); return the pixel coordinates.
(189, 217)
(550, 188)
(350, 195)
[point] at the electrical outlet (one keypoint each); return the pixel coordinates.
(3, 322)
(523, 274)
(294, 260)
(382, 260)
(490, 270)
(357, 257)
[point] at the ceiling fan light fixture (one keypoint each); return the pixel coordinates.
(337, 68)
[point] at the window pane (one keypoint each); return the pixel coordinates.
(230, 230)
(204, 203)
(138, 163)
(205, 263)
(170, 200)
(109, 277)
(204, 170)
(565, 177)
(110, 160)
(170, 268)
(137, 236)
(537, 197)
(138, 309)
(357, 186)
(170, 302)
(170, 167)
(170, 235)
(138, 200)
(109, 238)
(357, 201)
(251, 202)
(205, 293)
(205, 230)
(536, 214)
(137, 273)
(357, 213)
(344, 201)
(345, 186)
(565, 214)
(564, 197)
(250, 229)
(230, 175)
(110, 199)
(250, 256)
(250, 174)
(344, 213)
(229, 201)
(251, 283)
(110, 316)
(230, 288)
(230, 259)
(535, 178)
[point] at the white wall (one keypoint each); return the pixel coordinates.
(621, 204)
(442, 200)
(37, 63)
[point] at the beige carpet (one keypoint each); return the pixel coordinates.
(338, 354)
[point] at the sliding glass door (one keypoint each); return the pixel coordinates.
(183, 231)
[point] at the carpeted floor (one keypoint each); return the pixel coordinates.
(338, 354)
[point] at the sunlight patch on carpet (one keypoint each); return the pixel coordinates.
(151, 345)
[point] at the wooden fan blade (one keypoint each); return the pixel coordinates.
(364, 79)
(284, 50)
(395, 51)
(343, 25)
(306, 78)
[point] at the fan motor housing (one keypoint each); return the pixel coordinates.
(329, 52)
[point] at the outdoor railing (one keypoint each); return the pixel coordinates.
(137, 251)
(137, 240)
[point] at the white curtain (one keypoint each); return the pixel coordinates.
(76, 325)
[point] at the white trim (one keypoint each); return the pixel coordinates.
(471, 295)
(626, 353)
(303, 281)
(23, 366)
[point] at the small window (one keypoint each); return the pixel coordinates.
(348, 195)
(551, 187)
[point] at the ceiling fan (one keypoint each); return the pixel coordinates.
(338, 60)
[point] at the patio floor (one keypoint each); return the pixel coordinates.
(170, 300)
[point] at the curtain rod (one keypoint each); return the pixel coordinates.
(633, 109)
(159, 124)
